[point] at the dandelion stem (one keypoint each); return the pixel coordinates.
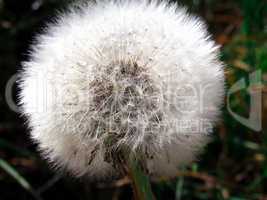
(140, 182)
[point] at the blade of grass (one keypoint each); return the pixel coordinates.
(179, 188)
(20, 179)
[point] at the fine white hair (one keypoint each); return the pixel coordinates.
(138, 74)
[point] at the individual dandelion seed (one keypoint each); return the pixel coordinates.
(138, 77)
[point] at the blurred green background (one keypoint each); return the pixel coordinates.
(234, 164)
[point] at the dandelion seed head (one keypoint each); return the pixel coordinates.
(142, 75)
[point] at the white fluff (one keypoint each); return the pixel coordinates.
(129, 74)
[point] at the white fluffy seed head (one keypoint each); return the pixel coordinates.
(142, 75)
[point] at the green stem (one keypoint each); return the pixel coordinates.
(140, 182)
(128, 163)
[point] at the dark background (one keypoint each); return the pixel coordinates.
(234, 165)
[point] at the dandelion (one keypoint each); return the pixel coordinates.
(114, 81)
